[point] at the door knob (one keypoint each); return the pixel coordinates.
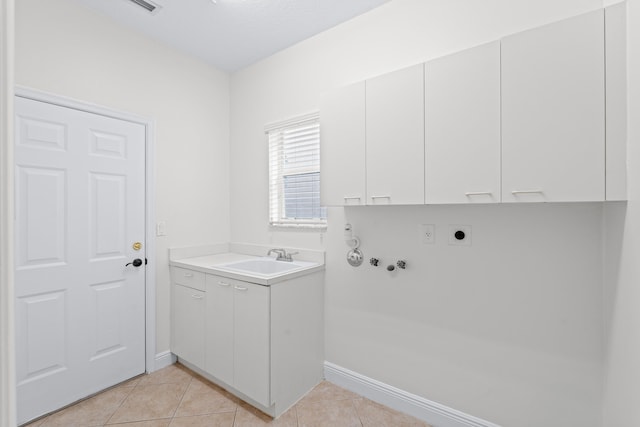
(136, 263)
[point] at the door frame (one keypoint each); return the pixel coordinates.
(7, 328)
(150, 199)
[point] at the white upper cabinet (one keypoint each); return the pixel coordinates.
(616, 75)
(342, 147)
(462, 122)
(395, 137)
(553, 129)
(517, 120)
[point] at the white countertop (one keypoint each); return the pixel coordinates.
(216, 264)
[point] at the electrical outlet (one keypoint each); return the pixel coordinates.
(460, 235)
(427, 234)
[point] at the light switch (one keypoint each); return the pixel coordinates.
(161, 228)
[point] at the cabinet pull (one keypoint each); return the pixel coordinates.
(380, 197)
(240, 288)
(514, 192)
(352, 197)
(188, 274)
(223, 284)
(478, 193)
(197, 296)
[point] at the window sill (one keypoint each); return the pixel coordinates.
(299, 227)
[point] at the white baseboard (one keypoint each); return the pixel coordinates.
(162, 360)
(433, 413)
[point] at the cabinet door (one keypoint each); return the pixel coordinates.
(187, 332)
(219, 328)
(251, 344)
(616, 109)
(342, 147)
(395, 137)
(462, 122)
(553, 112)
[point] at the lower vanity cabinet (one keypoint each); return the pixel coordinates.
(237, 336)
(187, 316)
(264, 344)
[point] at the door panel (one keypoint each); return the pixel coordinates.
(80, 206)
(38, 133)
(41, 205)
(107, 328)
(108, 216)
(107, 144)
(42, 326)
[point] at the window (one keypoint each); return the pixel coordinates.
(294, 173)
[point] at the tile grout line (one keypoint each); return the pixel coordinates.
(235, 415)
(121, 403)
(181, 399)
(132, 388)
(355, 408)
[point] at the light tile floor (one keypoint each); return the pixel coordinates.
(177, 397)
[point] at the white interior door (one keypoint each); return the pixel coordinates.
(80, 208)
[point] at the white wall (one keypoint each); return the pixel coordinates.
(622, 280)
(66, 49)
(509, 329)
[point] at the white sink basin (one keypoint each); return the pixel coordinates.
(266, 266)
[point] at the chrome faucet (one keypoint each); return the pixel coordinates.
(282, 254)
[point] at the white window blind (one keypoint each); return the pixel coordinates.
(294, 173)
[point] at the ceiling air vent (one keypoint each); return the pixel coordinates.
(146, 5)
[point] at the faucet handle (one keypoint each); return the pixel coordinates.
(279, 252)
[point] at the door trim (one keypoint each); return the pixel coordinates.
(150, 200)
(7, 302)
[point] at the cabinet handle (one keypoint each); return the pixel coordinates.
(352, 197)
(514, 192)
(373, 199)
(197, 296)
(478, 193)
(188, 274)
(240, 288)
(223, 284)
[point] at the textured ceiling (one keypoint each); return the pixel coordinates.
(232, 34)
